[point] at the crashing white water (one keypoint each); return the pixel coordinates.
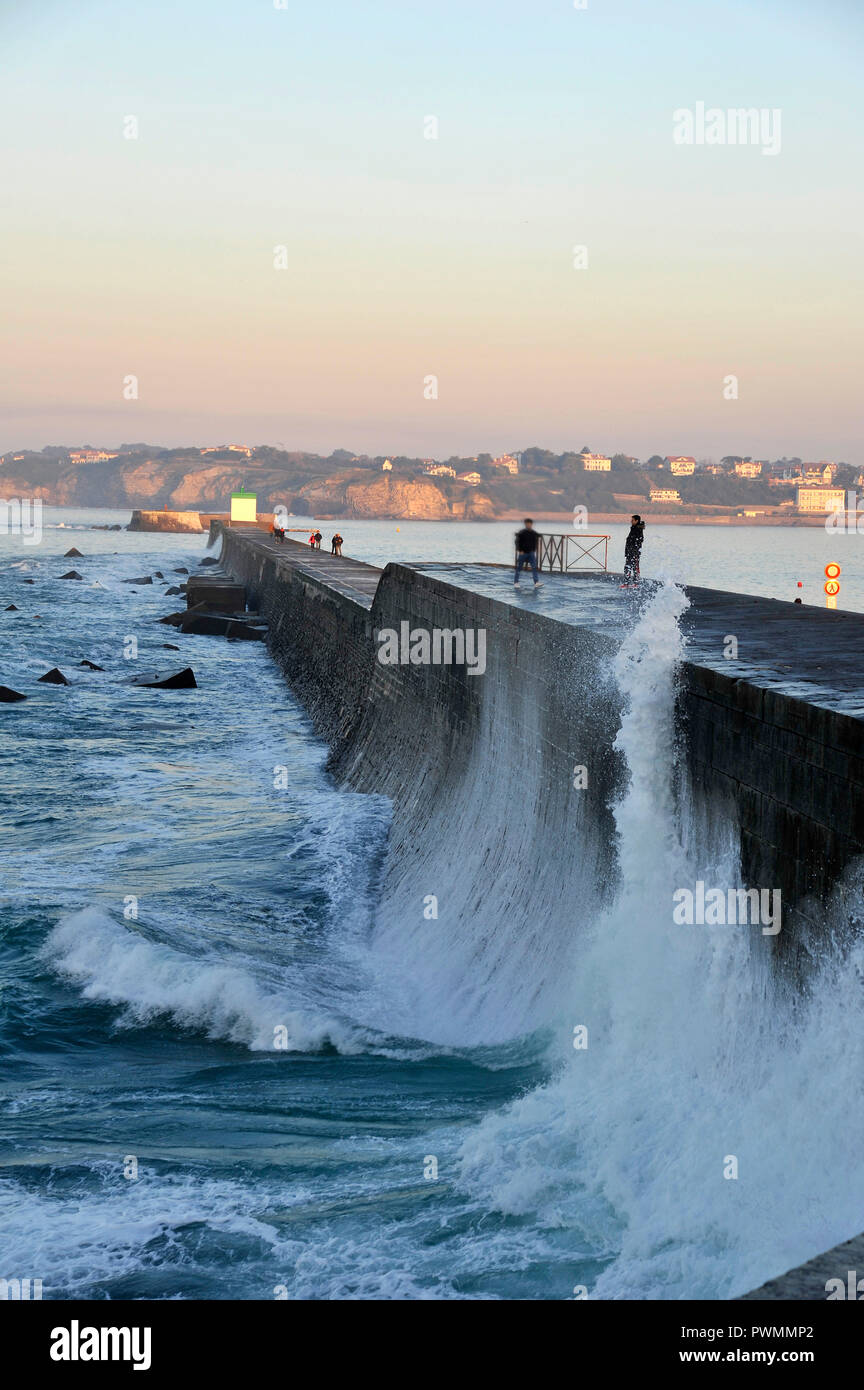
(697, 1052)
(113, 964)
(697, 1055)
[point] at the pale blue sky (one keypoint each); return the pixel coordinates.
(303, 127)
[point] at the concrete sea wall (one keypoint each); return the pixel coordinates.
(321, 639)
(452, 750)
(479, 771)
(164, 521)
(794, 773)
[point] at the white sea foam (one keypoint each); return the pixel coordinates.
(100, 1229)
(117, 965)
(81, 1237)
(152, 982)
(697, 1053)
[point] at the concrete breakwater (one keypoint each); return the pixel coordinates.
(480, 774)
(788, 772)
(164, 520)
(453, 753)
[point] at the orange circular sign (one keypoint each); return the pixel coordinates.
(832, 571)
(832, 587)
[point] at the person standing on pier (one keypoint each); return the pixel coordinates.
(318, 539)
(336, 544)
(527, 541)
(312, 539)
(633, 549)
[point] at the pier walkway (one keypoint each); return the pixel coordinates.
(804, 651)
(351, 578)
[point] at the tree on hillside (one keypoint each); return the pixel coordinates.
(571, 463)
(725, 489)
(536, 460)
(626, 476)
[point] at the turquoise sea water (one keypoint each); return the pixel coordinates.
(181, 884)
(142, 1035)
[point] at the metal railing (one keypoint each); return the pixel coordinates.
(563, 553)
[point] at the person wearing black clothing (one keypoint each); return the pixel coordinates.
(633, 548)
(318, 539)
(336, 544)
(527, 541)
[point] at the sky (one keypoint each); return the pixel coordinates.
(404, 259)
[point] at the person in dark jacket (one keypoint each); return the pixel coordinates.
(336, 544)
(633, 549)
(527, 541)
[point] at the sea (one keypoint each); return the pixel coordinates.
(203, 1090)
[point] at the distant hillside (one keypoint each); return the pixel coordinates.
(303, 483)
(345, 485)
(181, 485)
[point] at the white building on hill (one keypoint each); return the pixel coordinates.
(820, 499)
(596, 463)
(439, 470)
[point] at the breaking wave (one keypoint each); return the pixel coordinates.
(689, 1143)
(151, 982)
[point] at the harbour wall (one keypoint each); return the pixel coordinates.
(164, 521)
(451, 750)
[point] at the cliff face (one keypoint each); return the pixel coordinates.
(139, 483)
(183, 484)
(393, 498)
(477, 507)
(212, 487)
(61, 491)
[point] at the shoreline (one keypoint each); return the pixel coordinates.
(145, 519)
(793, 523)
